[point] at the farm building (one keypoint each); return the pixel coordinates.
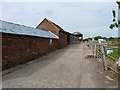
(64, 36)
(21, 43)
(78, 34)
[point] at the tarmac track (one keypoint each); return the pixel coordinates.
(63, 68)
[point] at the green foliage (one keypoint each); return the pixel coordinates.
(112, 26)
(114, 14)
(113, 39)
(114, 20)
(119, 22)
(87, 39)
(116, 23)
(97, 37)
(118, 3)
(114, 54)
(105, 38)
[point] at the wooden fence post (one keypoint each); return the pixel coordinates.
(119, 62)
(89, 44)
(119, 73)
(97, 47)
(104, 58)
(94, 50)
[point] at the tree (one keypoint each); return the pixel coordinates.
(116, 22)
(97, 37)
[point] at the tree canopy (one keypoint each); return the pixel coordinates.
(105, 38)
(116, 22)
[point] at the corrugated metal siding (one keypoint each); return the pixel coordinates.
(7, 27)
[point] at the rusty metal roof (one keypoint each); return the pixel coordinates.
(12, 28)
(77, 33)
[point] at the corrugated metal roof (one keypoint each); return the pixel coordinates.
(12, 28)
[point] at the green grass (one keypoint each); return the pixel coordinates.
(115, 54)
(113, 45)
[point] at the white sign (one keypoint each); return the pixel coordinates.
(50, 41)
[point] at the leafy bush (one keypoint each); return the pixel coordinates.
(115, 54)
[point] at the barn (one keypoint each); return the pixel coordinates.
(22, 43)
(78, 34)
(48, 25)
(64, 36)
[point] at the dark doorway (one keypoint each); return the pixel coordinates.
(68, 39)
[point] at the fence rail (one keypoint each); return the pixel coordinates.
(99, 51)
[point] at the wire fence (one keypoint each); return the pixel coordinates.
(100, 52)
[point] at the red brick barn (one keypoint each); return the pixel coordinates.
(48, 25)
(21, 43)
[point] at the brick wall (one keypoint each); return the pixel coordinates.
(62, 39)
(18, 49)
(48, 26)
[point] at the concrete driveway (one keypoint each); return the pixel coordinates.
(64, 68)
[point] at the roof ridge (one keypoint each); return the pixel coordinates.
(53, 34)
(13, 28)
(54, 24)
(23, 25)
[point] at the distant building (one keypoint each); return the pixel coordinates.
(101, 40)
(78, 34)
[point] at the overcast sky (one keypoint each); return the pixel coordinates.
(91, 18)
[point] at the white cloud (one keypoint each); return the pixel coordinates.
(88, 18)
(58, 0)
(100, 31)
